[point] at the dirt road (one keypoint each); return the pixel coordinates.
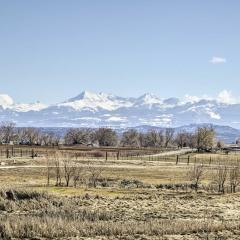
(175, 152)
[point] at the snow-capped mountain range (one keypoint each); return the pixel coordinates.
(100, 109)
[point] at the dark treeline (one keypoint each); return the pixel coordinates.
(202, 138)
(9, 133)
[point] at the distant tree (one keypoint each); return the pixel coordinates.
(29, 136)
(161, 138)
(169, 135)
(49, 139)
(205, 137)
(153, 139)
(130, 138)
(7, 132)
(192, 140)
(56, 139)
(46, 139)
(142, 139)
(106, 137)
(182, 139)
(77, 136)
(220, 144)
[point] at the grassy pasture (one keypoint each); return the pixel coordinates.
(114, 210)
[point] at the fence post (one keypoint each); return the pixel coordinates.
(118, 153)
(106, 156)
(32, 154)
(188, 160)
(177, 159)
(210, 160)
(7, 153)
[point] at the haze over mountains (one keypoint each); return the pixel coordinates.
(100, 109)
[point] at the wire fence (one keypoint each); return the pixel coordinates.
(8, 152)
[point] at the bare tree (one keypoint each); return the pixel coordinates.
(77, 175)
(161, 138)
(57, 163)
(106, 137)
(78, 136)
(182, 139)
(234, 178)
(48, 168)
(205, 138)
(56, 139)
(220, 178)
(220, 144)
(195, 175)
(152, 138)
(130, 138)
(169, 134)
(142, 139)
(192, 140)
(7, 132)
(94, 174)
(69, 169)
(29, 136)
(45, 139)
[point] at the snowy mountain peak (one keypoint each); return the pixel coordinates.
(89, 101)
(149, 99)
(90, 109)
(83, 95)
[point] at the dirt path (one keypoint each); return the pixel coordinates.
(175, 152)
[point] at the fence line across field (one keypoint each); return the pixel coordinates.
(118, 154)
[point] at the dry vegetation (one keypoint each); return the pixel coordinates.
(60, 196)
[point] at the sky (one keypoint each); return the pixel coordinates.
(53, 50)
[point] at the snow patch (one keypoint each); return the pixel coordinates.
(116, 119)
(26, 107)
(214, 115)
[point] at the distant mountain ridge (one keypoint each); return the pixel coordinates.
(90, 109)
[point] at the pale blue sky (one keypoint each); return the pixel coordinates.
(53, 50)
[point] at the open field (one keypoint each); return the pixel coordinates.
(142, 197)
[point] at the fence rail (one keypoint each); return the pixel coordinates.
(7, 152)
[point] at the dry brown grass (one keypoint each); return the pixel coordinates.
(142, 215)
(114, 210)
